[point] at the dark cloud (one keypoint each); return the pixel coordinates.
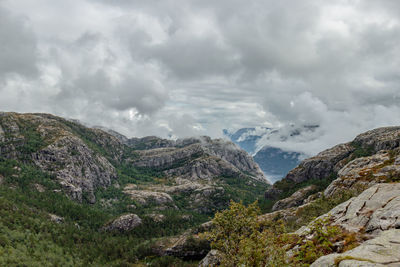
(178, 67)
(18, 54)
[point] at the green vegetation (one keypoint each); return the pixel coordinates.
(29, 141)
(243, 189)
(130, 174)
(361, 151)
(288, 187)
(244, 240)
(27, 236)
(33, 141)
(320, 206)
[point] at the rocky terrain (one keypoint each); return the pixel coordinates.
(383, 250)
(331, 162)
(367, 173)
(129, 191)
(84, 160)
(354, 187)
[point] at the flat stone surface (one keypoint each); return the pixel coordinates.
(383, 250)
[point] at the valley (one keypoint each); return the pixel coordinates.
(77, 196)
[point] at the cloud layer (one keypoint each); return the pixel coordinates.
(195, 67)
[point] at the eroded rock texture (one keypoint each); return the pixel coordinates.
(383, 250)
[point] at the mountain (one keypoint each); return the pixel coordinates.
(330, 163)
(71, 195)
(261, 142)
(338, 208)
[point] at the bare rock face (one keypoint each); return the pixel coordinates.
(383, 250)
(57, 146)
(369, 147)
(124, 223)
(189, 247)
(156, 217)
(200, 159)
(384, 138)
(320, 166)
(375, 210)
(82, 172)
(362, 173)
(146, 197)
(296, 199)
(212, 259)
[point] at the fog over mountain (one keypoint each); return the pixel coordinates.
(186, 68)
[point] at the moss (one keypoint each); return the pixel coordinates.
(338, 260)
(361, 151)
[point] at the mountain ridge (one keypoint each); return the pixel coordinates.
(143, 200)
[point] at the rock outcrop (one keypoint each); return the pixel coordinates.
(146, 197)
(212, 259)
(351, 161)
(383, 250)
(85, 159)
(188, 246)
(322, 165)
(200, 159)
(362, 173)
(296, 199)
(57, 146)
(375, 210)
(124, 223)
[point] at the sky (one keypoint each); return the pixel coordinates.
(194, 67)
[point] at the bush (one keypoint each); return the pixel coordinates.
(238, 236)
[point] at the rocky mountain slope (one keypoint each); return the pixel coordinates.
(113, 197)
(353, 186)
(74, 195)
(364, 158)
(84, 160)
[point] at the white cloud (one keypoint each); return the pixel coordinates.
(195, 67)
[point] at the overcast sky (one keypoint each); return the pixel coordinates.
(181, 67)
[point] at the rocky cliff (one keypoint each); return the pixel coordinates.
(84, 160)
(200, 159)
(55, 145)
(362, 199)
(329, 163)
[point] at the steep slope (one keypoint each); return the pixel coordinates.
(358, 207)
(200, 159)
(324, 167)
(86, 160)
(90, 196)
(62, 148)
(339, 208)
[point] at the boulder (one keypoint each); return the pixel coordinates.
(56, 218)
(156, 217)
(189, 247)
(212, 259)
(124, 223)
